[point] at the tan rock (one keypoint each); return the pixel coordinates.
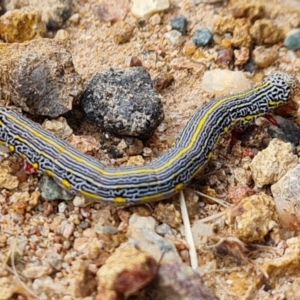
(284, 265)
(269, 165)
(126, 271)
(21, 25)
(266, 32)
(286, 193)
(252, 218)
(264, 57)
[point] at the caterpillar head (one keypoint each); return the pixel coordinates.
(282, 79)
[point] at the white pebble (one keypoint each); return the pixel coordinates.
(174, 38)
(144, 9)
(79, 201)
(62, 207)
(224, 82)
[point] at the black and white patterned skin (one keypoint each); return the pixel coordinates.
(167, 174)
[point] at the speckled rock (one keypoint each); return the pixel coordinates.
(223, 82)
(264, 57)
(180, 24)
(286, 193)
(39, 77)
(252, 218)
(269, 165)
(292, 40)
(266, 32)
(123, 102)
(53, 12)
(50, 190)
(202, 37)
(21, 25)
(144, 9)
(112, 10)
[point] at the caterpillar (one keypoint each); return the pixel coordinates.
(165, 176)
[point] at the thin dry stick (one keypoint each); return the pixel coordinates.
(188, 231)
(219, 201)
(15, 272)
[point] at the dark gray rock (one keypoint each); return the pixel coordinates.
(123, 102)
(180, 24)
(202, 37)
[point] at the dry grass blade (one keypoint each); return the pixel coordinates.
(188, 231)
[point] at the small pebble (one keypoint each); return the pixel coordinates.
(241, 56)
(155, 19)
(162, 80)
(179, 24)
(264, 57)
(122, 32)
(50, 190)
(79, 201)
(62, 206)
(144, 9)
(225, 56)
(58, 126)
(174, 38)
(292, 40)
(74, 18)
(110, 230)
(135, 62)
(189, 48)
(163, 229)
(62, 35)
(203, 37)
(250, 66)
(111, 10)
